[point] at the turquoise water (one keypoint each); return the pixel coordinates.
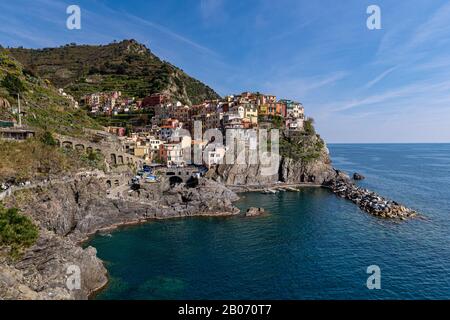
(313, 245)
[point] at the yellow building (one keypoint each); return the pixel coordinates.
(141, 151)
(251, 113)
(263, 109)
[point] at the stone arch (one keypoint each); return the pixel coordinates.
(108, 184)
(89, 150)
(79, 147)
(120, 159)
(192, 182)
(67, 145)
(113, 159)
(174, 180)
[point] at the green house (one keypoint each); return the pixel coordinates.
(6, 124)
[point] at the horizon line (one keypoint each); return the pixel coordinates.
(329, 143)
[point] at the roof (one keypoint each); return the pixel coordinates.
(17, 130)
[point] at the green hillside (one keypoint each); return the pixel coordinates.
(126, 66)
(42, 106)
(47, 112)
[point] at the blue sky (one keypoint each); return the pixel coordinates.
(360, 85)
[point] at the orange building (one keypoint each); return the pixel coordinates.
(276, 109)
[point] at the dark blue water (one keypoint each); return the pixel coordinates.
(312, 246)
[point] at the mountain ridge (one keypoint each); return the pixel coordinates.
(126, 66)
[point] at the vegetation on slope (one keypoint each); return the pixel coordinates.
(42, 106)
(40, 159)
(307, 146)
(47, 112)
(17, 231)
(126, 66)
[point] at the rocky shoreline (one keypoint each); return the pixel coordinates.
(68, 214)
(370, 201)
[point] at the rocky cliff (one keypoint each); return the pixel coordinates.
(67, 214)
(304, 159)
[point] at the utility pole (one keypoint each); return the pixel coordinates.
(20, 113)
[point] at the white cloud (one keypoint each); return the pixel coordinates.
(298, 88)
(380, 77)
(416, 94)
(172, 34)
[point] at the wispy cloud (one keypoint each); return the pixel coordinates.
(437, 28)
(171, 33)
(380, 77)
(411, 92)
(414, 42)
(301, 87)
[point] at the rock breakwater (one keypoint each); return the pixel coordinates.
(370, 201)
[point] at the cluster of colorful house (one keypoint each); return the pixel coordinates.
(110, 103)
(165, 141)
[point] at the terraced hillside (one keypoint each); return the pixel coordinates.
(127, 66)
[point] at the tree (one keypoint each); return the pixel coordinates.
(13, 84)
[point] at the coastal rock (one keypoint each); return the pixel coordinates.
(242, 175)
(42, 272)
(315, 172)
(254, 212)
(81, 208)
(358, 176)
(306, 161)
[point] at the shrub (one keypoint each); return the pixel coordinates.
(13, 84)
(16, 231)
(47, 138)
(309, 127)
(277, 122)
